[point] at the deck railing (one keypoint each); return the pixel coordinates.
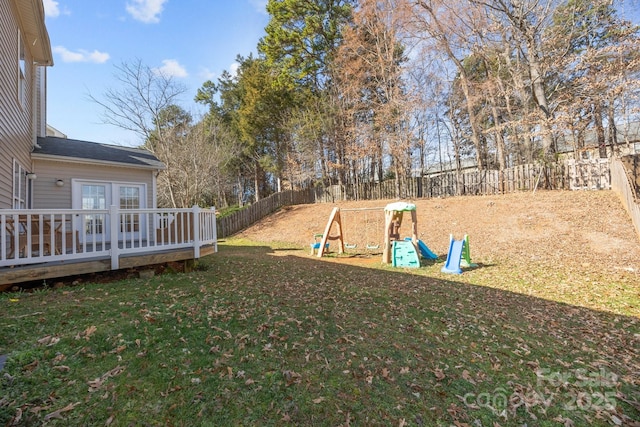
(37, 236)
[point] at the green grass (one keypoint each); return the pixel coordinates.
(270, 336)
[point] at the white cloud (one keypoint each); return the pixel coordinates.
(206, 74)
(233, 68)
(81, 55)
(259, 5)
(171, 68)
(51, 9)
(147, 11)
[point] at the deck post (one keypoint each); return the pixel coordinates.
(196, 231)
(214, 230)
(114, 221)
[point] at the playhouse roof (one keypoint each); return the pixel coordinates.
(400, 206)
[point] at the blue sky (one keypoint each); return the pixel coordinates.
(193, 40)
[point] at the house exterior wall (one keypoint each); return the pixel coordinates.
(47, 195)
(16, 123)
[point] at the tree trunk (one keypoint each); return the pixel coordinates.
(256, 180)
(613, 131)
(537, 81)
(597, 118)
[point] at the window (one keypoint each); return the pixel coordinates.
(20, 183)
(22, 72)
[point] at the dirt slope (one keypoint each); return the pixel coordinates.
(582, 231)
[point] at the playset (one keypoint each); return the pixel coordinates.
(396, 251)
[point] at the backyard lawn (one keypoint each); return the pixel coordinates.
(264, 334)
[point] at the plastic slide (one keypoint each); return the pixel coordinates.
(453, 259)
(425, 251)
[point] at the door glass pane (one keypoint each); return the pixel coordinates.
(130, 199)
(94, 197)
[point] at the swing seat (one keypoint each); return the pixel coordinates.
(370, 246)
(315, 246)
(350, 246)
(317, 241)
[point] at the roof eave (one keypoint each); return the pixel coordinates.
(32, 23)
(57, 158)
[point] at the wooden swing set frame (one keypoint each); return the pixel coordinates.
(393, 221)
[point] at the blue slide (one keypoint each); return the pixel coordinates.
(453, 259)
(425, 252)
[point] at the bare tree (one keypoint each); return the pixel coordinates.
(139, 100)
(368, 75)
(146, 102)
(525, 21)
(197, 164)
(449, 26)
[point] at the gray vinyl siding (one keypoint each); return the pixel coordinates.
(15, 119)
(47, 195)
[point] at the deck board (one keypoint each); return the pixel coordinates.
(10, 276)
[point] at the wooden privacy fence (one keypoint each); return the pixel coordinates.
(574, 175)
(624, 184)
(242, 219)
(590, 174)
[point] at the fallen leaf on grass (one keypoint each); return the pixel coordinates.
(48, 340)
(119, 349)
(291, 377)
(439, 374)
(86, 334)
(31, 366)
(385, 373)
(467, 376)
(170, 390)
(567, 422)
(17, 418)
(58, 414)
(96, 384)
(318, 400)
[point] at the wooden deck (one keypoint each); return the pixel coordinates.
(10, 276)
(38, 245)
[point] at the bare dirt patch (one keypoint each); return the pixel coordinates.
(577, 230)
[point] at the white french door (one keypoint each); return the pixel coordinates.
(101, 195)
